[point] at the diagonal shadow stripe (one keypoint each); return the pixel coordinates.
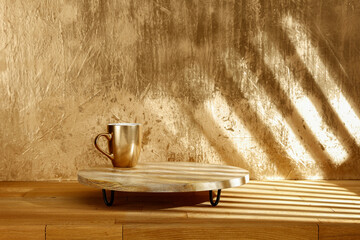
(309, 84)
(318, 98)
(260, 131)
(255, 62)
(290, 113)
(228, 157)
(281, 39)
(338, 60)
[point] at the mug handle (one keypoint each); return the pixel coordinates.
(108, 137)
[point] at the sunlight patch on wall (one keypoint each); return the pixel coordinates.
(285, 135)
(315, 177)
(305, 107)
(293, 149)
(310, 56)
(347, 115)
(276, 122)
(327, 140)
(232, 128)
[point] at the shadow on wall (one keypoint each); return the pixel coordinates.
(270, 86)
(318, 120)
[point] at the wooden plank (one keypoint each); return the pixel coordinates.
(44, 217)
(64, 203)
(339, 231)
(89, 232)
(220, 231)
(158, 216)
(22, 232)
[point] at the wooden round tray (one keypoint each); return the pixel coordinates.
(165, 177)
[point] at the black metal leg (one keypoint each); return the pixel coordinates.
(217, 197)
(107, 203)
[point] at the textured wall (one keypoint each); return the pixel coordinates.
(270, 86)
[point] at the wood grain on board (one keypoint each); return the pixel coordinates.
(88, 232)
(165, 177)
(220, 230)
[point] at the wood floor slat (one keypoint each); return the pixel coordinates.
(220, 231)
(294, 208)
(29, 232)
(88, 232)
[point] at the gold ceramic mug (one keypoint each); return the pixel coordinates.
(124, 144)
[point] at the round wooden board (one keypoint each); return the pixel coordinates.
(165, 177)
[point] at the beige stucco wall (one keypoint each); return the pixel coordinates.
(270, 86)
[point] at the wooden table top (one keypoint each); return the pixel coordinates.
(165, 177)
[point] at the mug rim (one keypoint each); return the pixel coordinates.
(124, 124)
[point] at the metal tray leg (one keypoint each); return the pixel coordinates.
(217, 197)
(107, 203)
